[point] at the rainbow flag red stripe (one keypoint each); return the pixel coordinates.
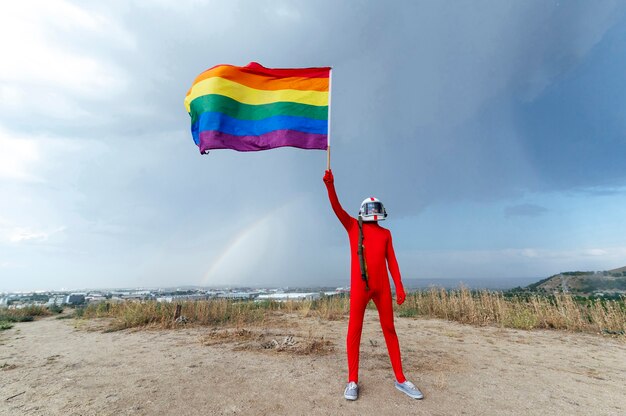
(255, 108)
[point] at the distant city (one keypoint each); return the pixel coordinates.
(77, 298)
(51, 298)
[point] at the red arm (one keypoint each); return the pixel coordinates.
(394, 269)
(343, 216)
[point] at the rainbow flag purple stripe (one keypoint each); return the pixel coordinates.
(254, 108)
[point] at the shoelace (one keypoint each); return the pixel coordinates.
(352, 386)
(409, 385)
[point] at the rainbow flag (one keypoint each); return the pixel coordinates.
(254, 108)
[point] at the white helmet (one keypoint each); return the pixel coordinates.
(372, 210)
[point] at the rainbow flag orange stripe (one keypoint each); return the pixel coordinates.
(255, 108)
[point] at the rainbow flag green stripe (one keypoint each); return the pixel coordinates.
(255, 108)
(235, 109)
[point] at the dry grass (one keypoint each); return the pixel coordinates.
(155, 314)
(219, 312)
(462, 305)
(23, 314)
(524, 312)
(10, 315)
(268, 341)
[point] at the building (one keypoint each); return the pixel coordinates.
(75, 299)
(237, 295)
(282, 297)
(56, 301)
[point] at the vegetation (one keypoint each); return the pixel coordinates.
(535, 286)
(55, 309)
(582, 282)
(23, 314)
(154, 314)
(35, 297)
(5, 325)
(511, 310)
(524, 311)
(588, 285)
(10, 316)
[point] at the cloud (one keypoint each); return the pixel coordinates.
(38, 59)
(17, 158)
(285, 11)
(30, 157)
(19, 235)
(596, 252)
(575, 256)
(524, 210)
(13, 232)
(508, 263)
(51, 74)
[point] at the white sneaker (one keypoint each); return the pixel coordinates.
(409, 389)
(352, 391)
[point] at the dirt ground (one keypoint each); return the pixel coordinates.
(296, 366)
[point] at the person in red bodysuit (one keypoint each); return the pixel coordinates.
(379, 254)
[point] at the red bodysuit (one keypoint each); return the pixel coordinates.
(378, 254)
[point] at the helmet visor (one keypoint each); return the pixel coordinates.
(373, 208)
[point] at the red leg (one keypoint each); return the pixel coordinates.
(358, 303)
(384, 305)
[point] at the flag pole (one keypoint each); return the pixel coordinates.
(330, 88)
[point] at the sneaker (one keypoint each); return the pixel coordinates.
(352, 391)
(409, 389)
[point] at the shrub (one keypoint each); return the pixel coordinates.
(55, 309)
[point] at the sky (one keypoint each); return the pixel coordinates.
(493, 131)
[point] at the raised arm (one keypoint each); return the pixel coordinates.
(343, 216)
(392, 263)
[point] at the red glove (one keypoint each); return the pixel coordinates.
(328, 177)
(400, 295)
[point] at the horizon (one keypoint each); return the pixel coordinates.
(410, 284)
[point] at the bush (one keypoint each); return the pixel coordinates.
(16, 318)
(79, 312)
(56, 309)
(31, 311)
(407, 312)
(26, 314)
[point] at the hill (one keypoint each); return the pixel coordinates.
(619, 270)
(584, 282)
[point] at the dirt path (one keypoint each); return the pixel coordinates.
(59, 367)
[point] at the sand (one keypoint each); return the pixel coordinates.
(296, 366)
